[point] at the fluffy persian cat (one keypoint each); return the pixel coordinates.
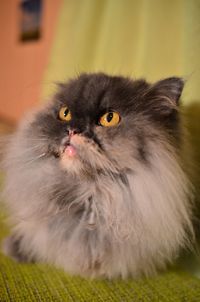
(95, 182)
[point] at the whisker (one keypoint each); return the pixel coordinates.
(30, 161)
(38, 139)
(37, 157)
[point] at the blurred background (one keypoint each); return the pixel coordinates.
(45, 41)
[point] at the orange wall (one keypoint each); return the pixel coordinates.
(22, 65)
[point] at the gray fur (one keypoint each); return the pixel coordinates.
(123, 207)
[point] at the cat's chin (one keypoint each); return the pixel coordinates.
(73, 154)
(70, 161)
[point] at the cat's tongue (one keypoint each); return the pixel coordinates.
(70, 151)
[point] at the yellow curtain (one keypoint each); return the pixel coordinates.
(139, 38)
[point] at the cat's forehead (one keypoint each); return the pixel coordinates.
(96, 92)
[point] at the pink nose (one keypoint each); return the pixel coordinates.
(72, 132)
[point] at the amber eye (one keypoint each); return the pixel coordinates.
(64, 114)
(109, 119)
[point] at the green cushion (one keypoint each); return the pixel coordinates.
(40, 282)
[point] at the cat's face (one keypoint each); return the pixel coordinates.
(98, 123)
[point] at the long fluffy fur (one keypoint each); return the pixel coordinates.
(104, 217)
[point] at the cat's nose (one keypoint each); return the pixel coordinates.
(72, 132)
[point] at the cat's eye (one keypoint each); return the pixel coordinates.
(109, 119)
(64, 114)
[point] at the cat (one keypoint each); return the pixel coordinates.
(95, 182)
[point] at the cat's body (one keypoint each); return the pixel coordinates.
(99, 200)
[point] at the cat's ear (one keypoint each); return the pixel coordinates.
(170, 88)
(163, 96)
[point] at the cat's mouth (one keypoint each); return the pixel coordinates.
(75, 151)
(74, 146)
(70, 150)
(80, 153)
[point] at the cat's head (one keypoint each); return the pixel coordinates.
(99, 123)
